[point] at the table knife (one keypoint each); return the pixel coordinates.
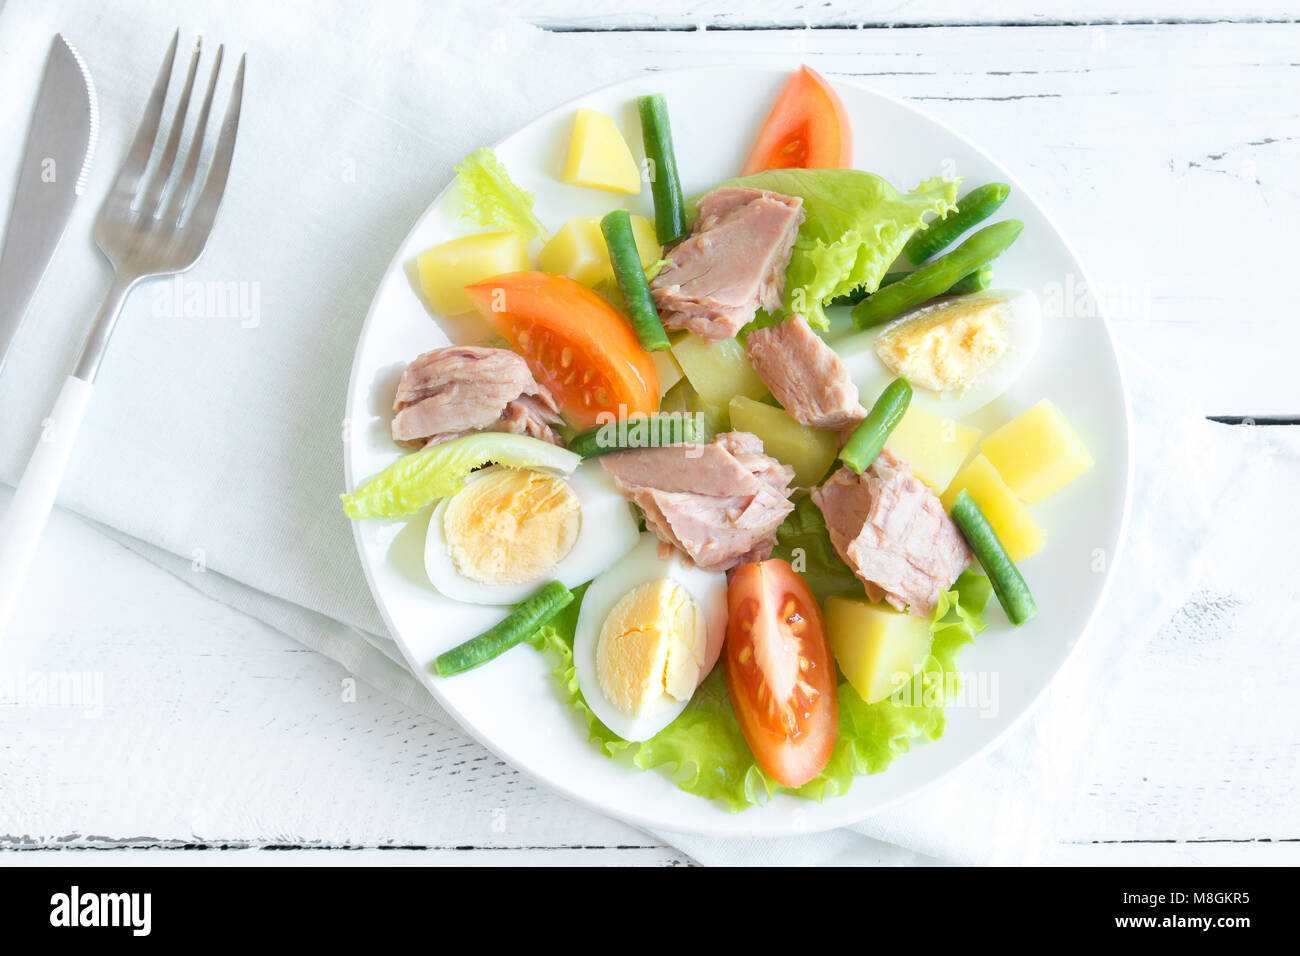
(55, 164)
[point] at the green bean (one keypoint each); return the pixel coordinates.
(871, 434)
(630, 274)
(976, 206)
(1008, 584)
(975, 282)
(518, 625)
(652, 431)
(665, 183)
(935, 278)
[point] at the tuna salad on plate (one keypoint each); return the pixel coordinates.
(715, 456)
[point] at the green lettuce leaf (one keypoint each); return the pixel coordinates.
(856, 225)
(704, 751)
(804, 541)
(435, 471)
(491, 199)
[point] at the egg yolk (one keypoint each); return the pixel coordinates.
(510, 526)
(649, 647)
(947, 347)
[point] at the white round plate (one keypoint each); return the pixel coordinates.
(512, 706)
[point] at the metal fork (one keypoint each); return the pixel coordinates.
(155, 221)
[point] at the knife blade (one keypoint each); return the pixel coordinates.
(55, 165)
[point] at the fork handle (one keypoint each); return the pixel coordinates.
(20, 531)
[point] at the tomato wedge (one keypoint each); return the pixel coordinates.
(807, 129)
(779, 671)
(577, 345)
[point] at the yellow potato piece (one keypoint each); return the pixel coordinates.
(935, 447)
(718, 372)
(445, 270)
(1015, 527)
(578, 250)
(878, 649)
(599, 157)
(809, 452)
(1037, 452)
(670, 373)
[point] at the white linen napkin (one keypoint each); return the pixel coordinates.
(217, 438)
(212, 446)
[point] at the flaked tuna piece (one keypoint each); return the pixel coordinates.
(719, 503)
(452, 391)
(893, 532)
(805, 375)
(732, 264)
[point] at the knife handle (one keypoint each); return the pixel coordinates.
(20, 531)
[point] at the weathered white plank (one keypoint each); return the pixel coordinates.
(214, 730)
(682, 14)
(1174, 853)
(1165, 153)
(439, 856)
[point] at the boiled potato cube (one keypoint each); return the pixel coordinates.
(1015, 527)
(445, 270)
(599, 157)
(807, 451)
(578, 250)
(1037, 452)
(720, 371)
(670, 373)
(935, 447)
(878, 649)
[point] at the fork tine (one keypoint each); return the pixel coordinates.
(205, 210)
(128, 178)
(185, 184)
(153, 196)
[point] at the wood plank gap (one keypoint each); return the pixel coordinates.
(113, 846)
(1163, 842)
(1253, 420)
(554, 26)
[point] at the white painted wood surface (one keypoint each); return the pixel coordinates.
(1166, 153)
(771, 14)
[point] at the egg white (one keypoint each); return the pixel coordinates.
(638, 566)
(606, 533)
(1024, 329)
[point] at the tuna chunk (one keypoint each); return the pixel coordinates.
(449, 392)
(805, 375)
(893, 532)
(731, 265)
(719, 503)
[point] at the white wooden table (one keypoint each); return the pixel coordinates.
(1167, 151)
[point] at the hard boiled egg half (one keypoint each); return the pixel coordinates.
(650, 630)
(958, 352)
(510, 530)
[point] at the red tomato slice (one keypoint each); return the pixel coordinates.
(577, 344)
(779, 671)
(807, 129)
